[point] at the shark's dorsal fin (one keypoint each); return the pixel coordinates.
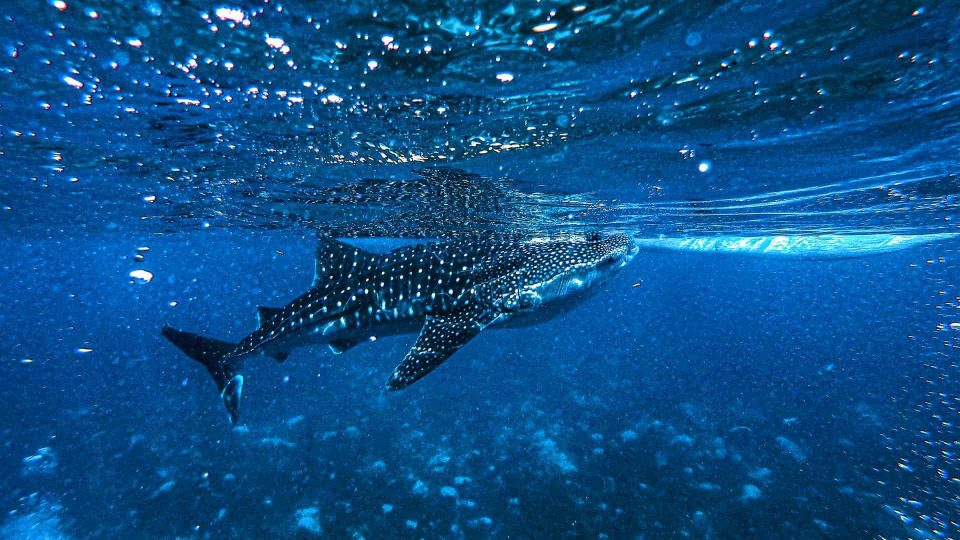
(336, 260)
(441, 336)
(265, 313)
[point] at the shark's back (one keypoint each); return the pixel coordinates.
(354, 288)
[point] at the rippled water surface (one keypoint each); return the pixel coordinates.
(174, 161)
(657, 118)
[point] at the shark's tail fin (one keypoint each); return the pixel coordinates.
(212, 354)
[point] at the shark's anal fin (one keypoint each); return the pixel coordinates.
(265, 314)
(441, 336)
(339, 346)
(336, 260)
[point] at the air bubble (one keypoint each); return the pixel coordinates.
(141, 277)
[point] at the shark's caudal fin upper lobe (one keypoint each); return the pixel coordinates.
(212, 354)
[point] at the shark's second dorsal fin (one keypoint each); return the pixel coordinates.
(336, 260)
(265, 314)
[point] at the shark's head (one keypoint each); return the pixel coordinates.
(560, 268)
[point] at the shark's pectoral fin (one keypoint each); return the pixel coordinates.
(339, 346)
(265, 314)
(441, 337)
(336, 260)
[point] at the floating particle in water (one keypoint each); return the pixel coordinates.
(229, 14)
(504, 77)
(59, 4)
(705, 166)
(83, 350)
(277, 43)
(545, 27)
(26, 361)
(693, 39)
(448, 491)
(149, 198)
(72, 82)
(141, 276)
(372, 65)
(387, 508)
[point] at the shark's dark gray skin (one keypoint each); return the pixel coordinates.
(449, 291)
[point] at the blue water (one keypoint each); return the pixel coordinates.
(779, 361)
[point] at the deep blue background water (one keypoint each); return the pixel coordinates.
(705, 395)
(662, 401)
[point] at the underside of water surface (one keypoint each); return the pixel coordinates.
(778, 361)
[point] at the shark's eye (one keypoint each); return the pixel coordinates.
(608, 260)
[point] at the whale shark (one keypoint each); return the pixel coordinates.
(449, 291)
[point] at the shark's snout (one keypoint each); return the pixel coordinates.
(619, 249)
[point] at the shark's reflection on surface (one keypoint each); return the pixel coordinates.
(436, 202)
